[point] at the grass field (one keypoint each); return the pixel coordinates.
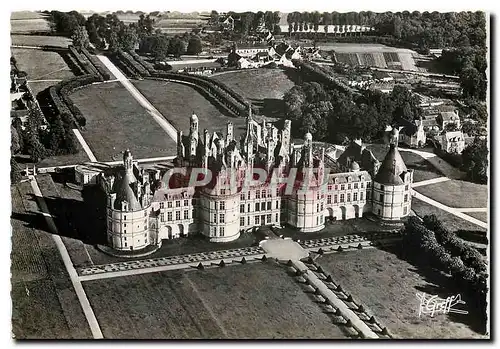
(387, 287)
(450, 221)
(42, 65)
(40, 40)
(116, 121)
(28, 25)
(44, 304)
(263, 87)
(177, 102)
(422, 169)
(482, 216)
(257, 300)
(456, 193)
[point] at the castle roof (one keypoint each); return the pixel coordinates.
(124, 192)
(391, 168)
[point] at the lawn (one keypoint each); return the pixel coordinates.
(263, 87)
(42, 65)
(450, 221)
(387, 287)
(28, 25)
(422, 169)
(44, 304)
(177, 102)
(40, 40)
(482, 216)
(116, 122)
(257, 300)
(455, 193)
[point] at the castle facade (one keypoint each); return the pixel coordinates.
(299, 185)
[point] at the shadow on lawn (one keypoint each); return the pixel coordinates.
(81, 220)
(441, 285)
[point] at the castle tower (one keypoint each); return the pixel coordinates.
(307, 151)
(128, 162)
(229, 133)
(193, 134)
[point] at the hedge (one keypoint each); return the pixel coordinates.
(97, 64)
(133, 63)
(84, 62)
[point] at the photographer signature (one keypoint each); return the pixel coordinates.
(434, 305)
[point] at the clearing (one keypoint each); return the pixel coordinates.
(387, 287)
(256, 300)
(116, 122)
(40, 40)
(42, 65)
(455, 193)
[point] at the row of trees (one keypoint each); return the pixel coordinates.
(429, 243)
(160, 45)
(249, 22)
(337, 116)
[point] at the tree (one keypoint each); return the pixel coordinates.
(15, 171)
(80, 38)
(475, 161)
(176, 47)
(194, 45)
(127, 38)
(160, 47)
(473, 84)
(15, 145)
(214, 17)
(145, 26)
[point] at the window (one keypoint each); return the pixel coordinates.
(248, 197)
(169, 216)
(329, 187)
(341, 197)
(277, 204)
(342, 187)
(381, 187)
(349, 186)
(268, 218)
(223, 192)
(169, 204)
(177, 215)
(381, 197)
(125, 224)
(328, 199)
(215, 217)
(262, 206)
(257, 206)
(263, 193)
(277, 218)
(162, 205)
(361, 196)
(257, 221)
(407, 187)
(186, 214)
(124, 238)
(248, 220)
(242, 208)
(406, 197)
(368, 184)
(317, 207)
(145, 213)
(125, 244)
(269, 205)
(277, 191)
(348, 197)
(317, 220)
(186, 202)
(257, 194)
(335, 198)
(242, 197)
(355, 185)
(162, 216)
(124, 218)
(242, 221)
(336, 187)
(317, 195)
(221, 218)
(355, 197)
(177, 203)
(222, 205)
(145, 241)
(322, 207)
(248, 208)
(221, 231)
(362, 185)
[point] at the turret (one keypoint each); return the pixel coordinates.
(193, 135)
(128, 162)
(229, 134)
(180, 146)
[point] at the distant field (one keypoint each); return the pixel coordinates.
(450, 221)
(456, 193)
(177, 102)
(116, 122)
(264, 87)
(29, 25)
(257, 300)
(20, 15)
(40, 40)
(42, 65)
(387, 287)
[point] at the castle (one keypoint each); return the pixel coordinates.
(144, 207)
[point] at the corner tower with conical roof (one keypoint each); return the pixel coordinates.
(391, 196)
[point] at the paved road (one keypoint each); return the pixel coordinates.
(473, 209)
(84, 144)
(80, 292)
(159, 118)
(430, 181)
